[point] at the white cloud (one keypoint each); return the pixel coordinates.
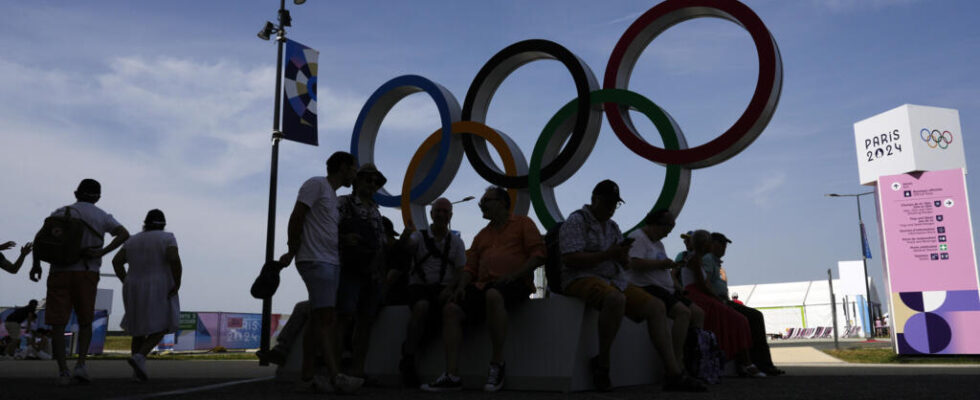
(763, 192)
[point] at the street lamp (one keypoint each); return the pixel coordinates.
(864, 259)
(465, 199)
(265, 34)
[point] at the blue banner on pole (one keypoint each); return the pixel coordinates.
(864, 242)
(299, 94)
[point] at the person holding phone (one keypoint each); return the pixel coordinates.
(595, 258)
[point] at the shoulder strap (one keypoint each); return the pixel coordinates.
(68, 214)
(445, 256)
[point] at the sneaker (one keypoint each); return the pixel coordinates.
(684, 383)
(319, 384)
(445, 383)
(410, 376)
(138, 362)
(64, 378)
(750, 371)
(600, 375)
(495, 378)
(81, 374)
(346, 384)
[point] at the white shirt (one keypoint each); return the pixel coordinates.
(146, 253)
(646, 249)
(320, 239)
(432, 266)
(98, 220)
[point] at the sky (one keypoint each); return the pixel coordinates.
(170, 106)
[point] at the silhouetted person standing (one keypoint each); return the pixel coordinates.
(149, 287)
(313, 241)
(73, 286)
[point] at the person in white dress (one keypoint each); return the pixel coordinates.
(149, 288)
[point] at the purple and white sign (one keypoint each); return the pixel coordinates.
(930, 263)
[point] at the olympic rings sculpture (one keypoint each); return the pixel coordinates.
(935, 138)
(464, 130)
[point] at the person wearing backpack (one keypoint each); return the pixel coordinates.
(496, 279)
(595, 257)
(438, 257)
(73, 275)
(362, 264)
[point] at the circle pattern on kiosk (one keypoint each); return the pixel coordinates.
(935, 138)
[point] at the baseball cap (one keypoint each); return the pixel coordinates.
(718, 236)
(90, 187)
(607, 188)
(155, 217)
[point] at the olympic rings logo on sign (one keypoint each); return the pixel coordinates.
(576, 125)
(935, 138)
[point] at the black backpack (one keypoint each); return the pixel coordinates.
(59, 242)
(552, 262)
(432, 250)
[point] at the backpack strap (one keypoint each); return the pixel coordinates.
(432, 250)
(84, 222)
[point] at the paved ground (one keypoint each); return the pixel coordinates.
(812, 375)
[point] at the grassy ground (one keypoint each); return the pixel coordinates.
(887, 356)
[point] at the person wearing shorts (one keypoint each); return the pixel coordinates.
(438, 258)
(73, 287)
(313, 242)
(650, 269)
(594, 258)
(496, 279)
(13, 324)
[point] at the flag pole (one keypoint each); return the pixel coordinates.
(270, 234)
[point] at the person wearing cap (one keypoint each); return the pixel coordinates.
(650, 269)
(497, 278)
(730, 328)
(150, 286)
(594, 258)
(362, 263)
(13, 324)
(14, 267)
(313, 242)
(73, 287)
(438, 257)
(759, 351)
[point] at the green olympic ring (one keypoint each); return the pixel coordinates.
(677, 180)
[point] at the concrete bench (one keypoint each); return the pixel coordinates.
(548, 348)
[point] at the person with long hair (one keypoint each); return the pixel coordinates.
(150, 288)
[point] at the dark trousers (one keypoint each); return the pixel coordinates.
(757, 324)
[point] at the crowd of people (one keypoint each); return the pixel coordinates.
(352, 262)
(72, 242)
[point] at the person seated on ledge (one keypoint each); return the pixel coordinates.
(496, 279)
(438, 259)
(594, 258)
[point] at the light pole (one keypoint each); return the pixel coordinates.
(864, 259)
(270, 234)
(465, 199)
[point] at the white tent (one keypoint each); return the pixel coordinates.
(803, 304)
